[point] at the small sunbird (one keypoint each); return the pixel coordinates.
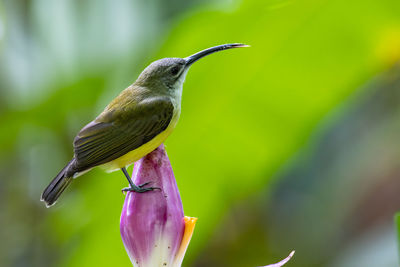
(135, 123)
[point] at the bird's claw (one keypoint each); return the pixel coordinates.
(144, 184)
(140, 188)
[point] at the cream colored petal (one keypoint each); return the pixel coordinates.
(282, 262)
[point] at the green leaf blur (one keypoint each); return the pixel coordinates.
(397, 225)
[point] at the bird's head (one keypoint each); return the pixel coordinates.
(170, 73)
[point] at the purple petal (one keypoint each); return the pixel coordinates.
(153, 222)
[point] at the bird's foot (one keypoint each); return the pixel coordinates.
(144, 184)
(140, 188)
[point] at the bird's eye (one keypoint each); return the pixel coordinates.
(174, 71)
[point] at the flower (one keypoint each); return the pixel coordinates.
(153, 228)
(282, 262)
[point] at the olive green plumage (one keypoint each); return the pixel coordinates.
(117, 131)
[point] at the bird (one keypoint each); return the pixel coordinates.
(132, 125)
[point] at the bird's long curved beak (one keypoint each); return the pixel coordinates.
(193, 58)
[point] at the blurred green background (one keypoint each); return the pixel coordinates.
(289, 144)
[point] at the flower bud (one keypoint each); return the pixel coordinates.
(153, 227)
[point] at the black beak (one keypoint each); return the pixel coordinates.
(193, 58)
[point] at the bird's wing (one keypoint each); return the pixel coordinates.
(115, 133)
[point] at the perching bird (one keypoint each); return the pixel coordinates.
(135, 123)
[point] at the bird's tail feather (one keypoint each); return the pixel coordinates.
(56, 187)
